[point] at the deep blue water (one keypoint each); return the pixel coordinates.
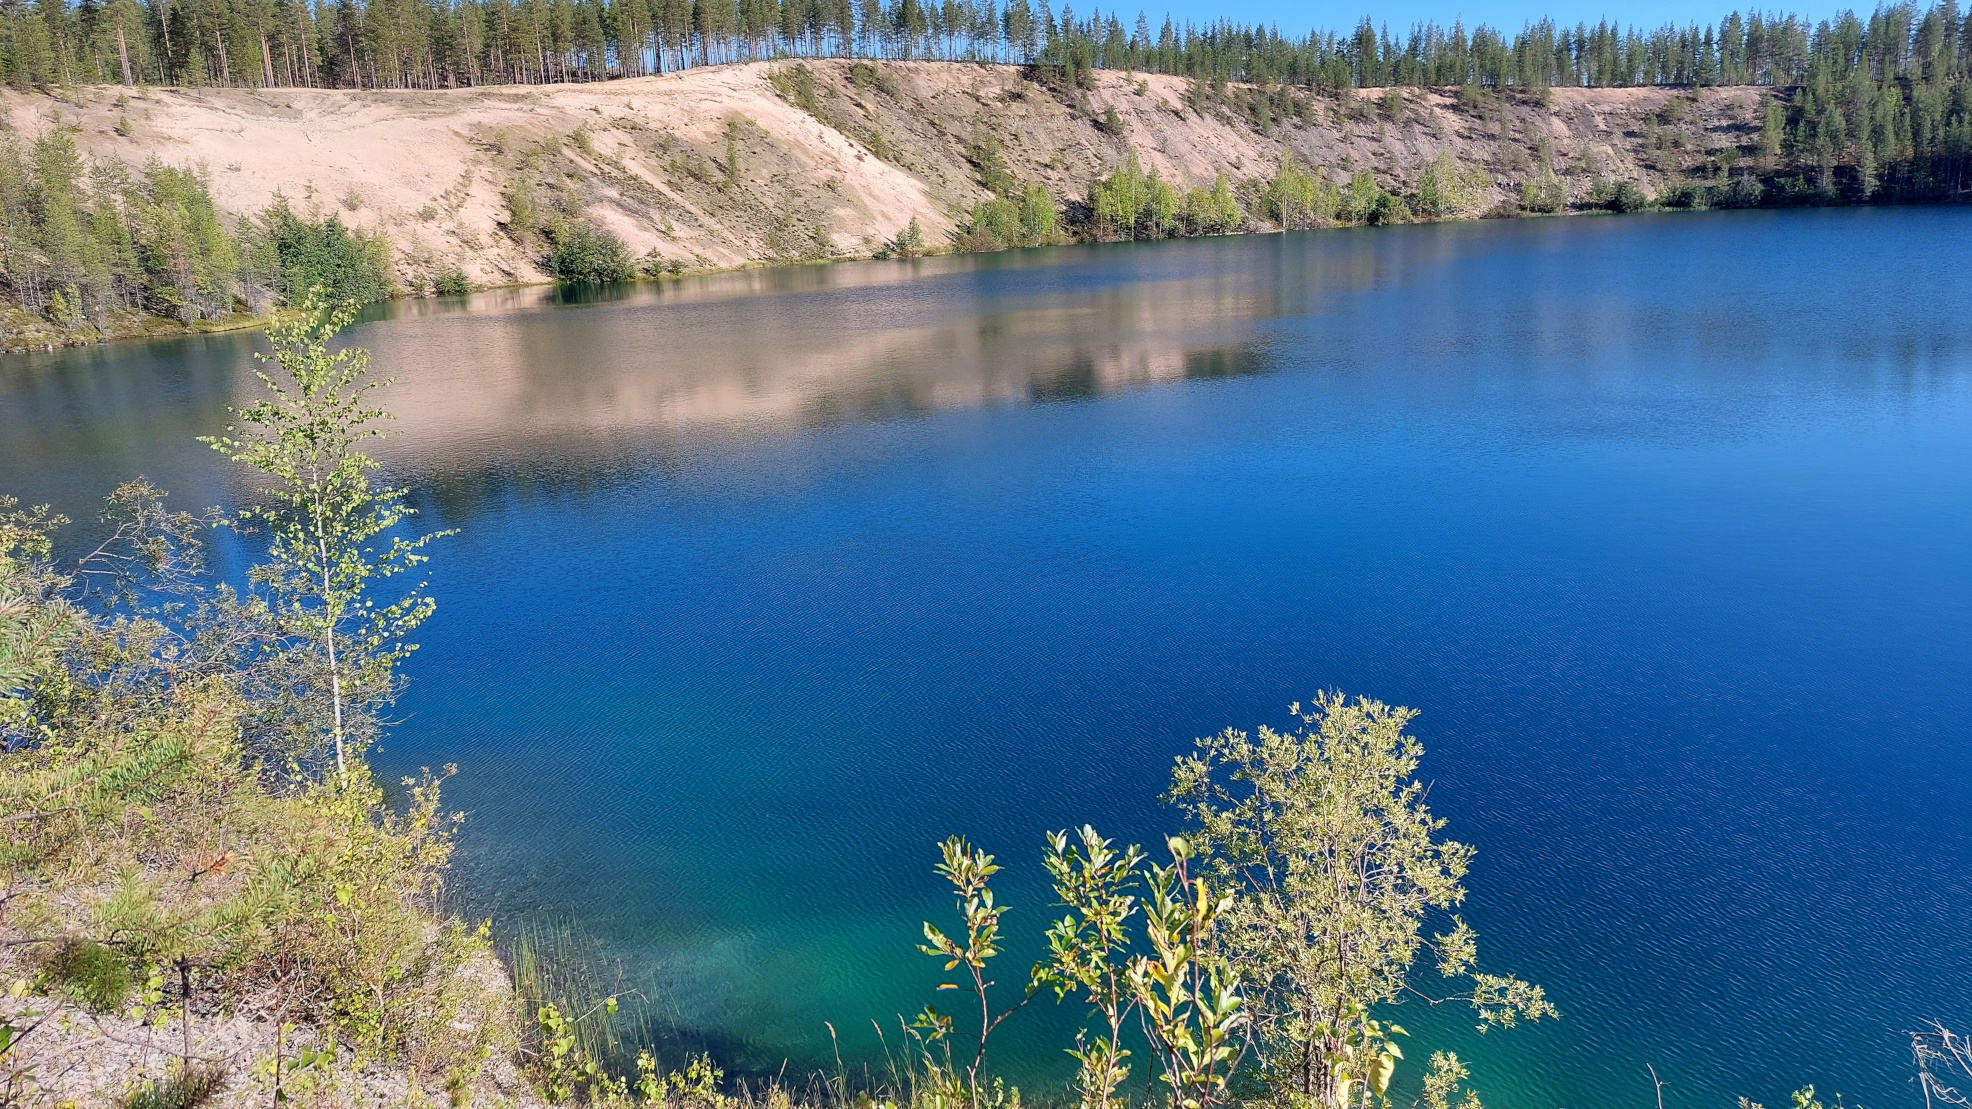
(766, 583)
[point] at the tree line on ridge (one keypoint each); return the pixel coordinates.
(449, 43)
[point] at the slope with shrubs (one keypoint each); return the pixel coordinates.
(790, 161)
(94, 249)
(202, 889)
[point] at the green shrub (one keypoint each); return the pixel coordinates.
(92, 974)
(1360, 198)
(798, 86)
(866, 76)
(909, 243)
(1132, 204)
(1388, 209)
(1447, 190)
(1685, 194)
(1618, 196)
(1029, 218)
(196, 1086)
(993, 225)
(348, 266)
(1744, 192)
(1211, 211)
(85, 239)
(1544, 193)
(989, 160)
(587, 255)
(1298, 199)
(451, 282)
(523, 215)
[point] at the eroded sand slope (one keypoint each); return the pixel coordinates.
(716, 168)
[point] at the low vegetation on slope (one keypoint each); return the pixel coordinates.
(193, 837)
(101, 250)
(1105, 133)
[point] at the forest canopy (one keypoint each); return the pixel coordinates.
(447, 43)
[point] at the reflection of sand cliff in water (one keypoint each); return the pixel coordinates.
(472, 388)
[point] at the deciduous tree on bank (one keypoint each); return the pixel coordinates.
(1324, 830)
(330, 530)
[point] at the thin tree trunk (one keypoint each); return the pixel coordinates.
(123, 53)
(335, 671)
(185, 987)
(164, 24)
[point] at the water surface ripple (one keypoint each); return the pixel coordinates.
(766, 582)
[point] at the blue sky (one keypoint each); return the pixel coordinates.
(1295, 18)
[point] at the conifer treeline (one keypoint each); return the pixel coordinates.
(445, 43)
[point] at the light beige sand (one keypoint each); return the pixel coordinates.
(648, 157)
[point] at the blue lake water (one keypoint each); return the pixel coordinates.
(765, 583)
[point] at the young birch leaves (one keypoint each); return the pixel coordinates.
(1088, 953)
(968, 869)
(1188, 989)
(328, 528)
(1325, 830)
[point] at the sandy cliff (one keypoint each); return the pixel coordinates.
(720, 167)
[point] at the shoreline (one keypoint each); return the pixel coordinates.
(157, 328)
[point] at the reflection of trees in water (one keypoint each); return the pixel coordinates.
(527, 393)
(513, 407)
(564, 466)
(502, 407)
(520, 374)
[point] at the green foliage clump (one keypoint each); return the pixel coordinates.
(1268, 946)
(863, 75)
(1365, 201)
(1211, 211)
(1444, 1083)
(323, 896)
(349, 267)
(523, 214)
(1618, 196)
(1543, 193)
(1132, 204)
(909, 242)
(92, 973)
(153, 729)
(797, 85)
(1686, 194)
(1325, 829)
(989, 161)
(81, 242)
(451, 282)
(1296, 199)
(1030, 219)
(1448, 190)
(1187, 996)
(582, 254)
(655, 264)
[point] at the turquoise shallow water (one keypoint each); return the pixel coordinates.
(765, 583)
